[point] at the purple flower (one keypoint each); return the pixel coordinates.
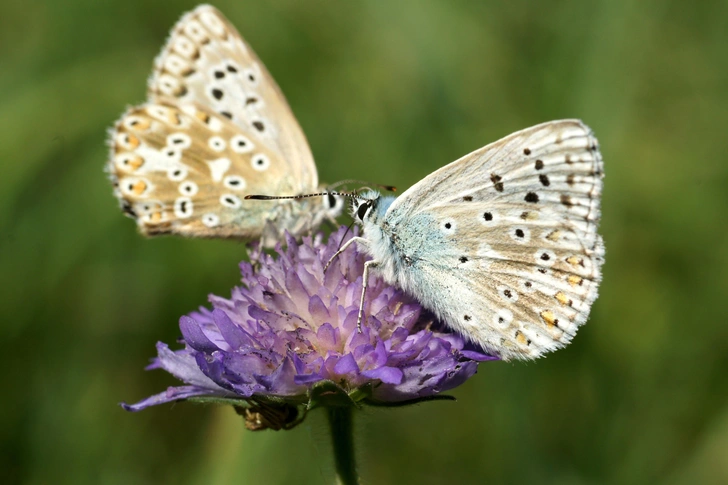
(290, 330)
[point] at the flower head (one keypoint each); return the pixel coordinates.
(291, 329)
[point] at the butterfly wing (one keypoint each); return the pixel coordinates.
(512, 259)
(185, 170)
(206, 61)
(216, 128)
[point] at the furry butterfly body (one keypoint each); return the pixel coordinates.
(215, 127)
(501, 244)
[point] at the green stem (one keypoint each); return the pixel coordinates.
(342, 434)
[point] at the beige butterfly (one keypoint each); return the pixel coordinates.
(215, 127)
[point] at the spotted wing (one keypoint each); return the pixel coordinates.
(205, 61)
(512, 259)
(186, 169)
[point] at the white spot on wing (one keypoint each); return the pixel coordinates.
(213, 23)
(179, 141)
(507, 293)
(448, 226)
(183, 207)
(230, 200)
(188, 188)
(260, 162)
(503, 318)
(216, 143)
(218, 168)
(177, 174)
(234, 182)
(210, 220)
(240, 144)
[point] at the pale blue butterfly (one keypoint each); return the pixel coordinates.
(501, 244)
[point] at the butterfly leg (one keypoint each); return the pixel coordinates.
(364, 284)
(343, 248)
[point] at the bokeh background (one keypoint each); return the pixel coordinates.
(386, 91)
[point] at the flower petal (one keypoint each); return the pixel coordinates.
(291, 325)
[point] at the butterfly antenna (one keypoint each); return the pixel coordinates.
(388, 188)
(350, 195)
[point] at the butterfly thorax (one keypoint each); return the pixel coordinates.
(386, 245)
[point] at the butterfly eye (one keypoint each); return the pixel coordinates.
(363, 209)
(331, 199)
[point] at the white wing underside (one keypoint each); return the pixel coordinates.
(518, 267)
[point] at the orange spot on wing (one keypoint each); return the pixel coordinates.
(549, 317)
(155, 217)
(575, 260)
(554, 236)
(140, 124)
(575, 280)
(520, 338)
(132, 162)
(202, 116)
(563, 299)
(139, 187)
(130, 142)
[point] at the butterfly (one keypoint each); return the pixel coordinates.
(501, 244)
(215, 126)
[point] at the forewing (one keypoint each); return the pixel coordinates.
(205, 61)
(513, 258)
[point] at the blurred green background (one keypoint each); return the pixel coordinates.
(385, 91)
